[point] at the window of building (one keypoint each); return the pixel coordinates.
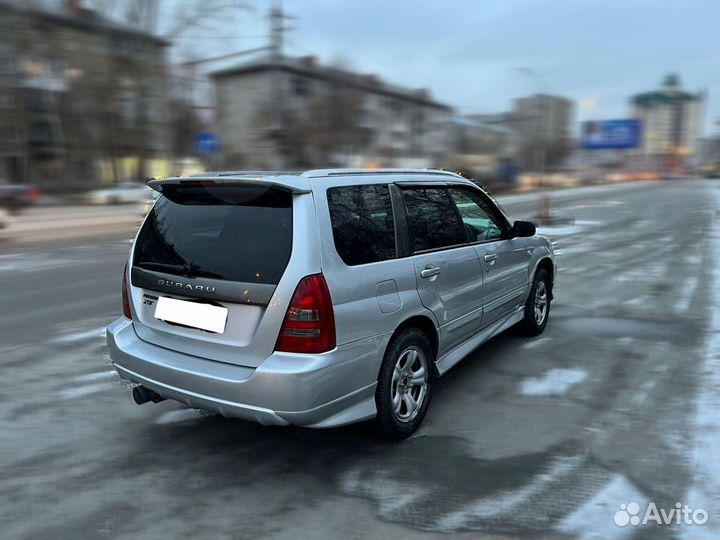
(8, 99)
(8, 65)
(301, 86)
(9, 134)
(432, 219)
(41, 133)
(362, 223)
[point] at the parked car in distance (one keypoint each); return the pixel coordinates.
(5, 225)
(152, 196)
(15, 197)
(127, 192)
(321, 298)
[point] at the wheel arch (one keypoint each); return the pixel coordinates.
(546, 264)
(426, 325)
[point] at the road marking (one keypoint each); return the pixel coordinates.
(554, 383)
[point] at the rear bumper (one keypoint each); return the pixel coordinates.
(325, 390)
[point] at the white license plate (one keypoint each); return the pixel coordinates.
(202, 316)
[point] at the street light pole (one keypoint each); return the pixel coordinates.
(542, 130)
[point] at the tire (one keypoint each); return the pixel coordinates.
(537, 307)
(396, 395)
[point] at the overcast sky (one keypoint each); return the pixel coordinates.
(468, 51)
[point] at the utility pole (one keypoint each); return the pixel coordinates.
(274, 47)
(276, 30)
(277, 128)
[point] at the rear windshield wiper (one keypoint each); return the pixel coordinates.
(205, 273)
(182, 268)
(187, 269)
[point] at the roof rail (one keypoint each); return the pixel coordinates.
(246, 173)
(359, 172)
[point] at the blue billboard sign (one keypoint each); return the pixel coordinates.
(611, 134)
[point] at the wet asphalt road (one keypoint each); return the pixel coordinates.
(547, 436)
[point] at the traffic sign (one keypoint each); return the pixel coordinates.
(207, 143)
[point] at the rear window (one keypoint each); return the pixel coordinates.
(362, 223)
(233, 233)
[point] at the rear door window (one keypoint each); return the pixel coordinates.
(432, 219)
(233, 233)
(362, 223)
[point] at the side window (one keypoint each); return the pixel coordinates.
(432, 220)
(362, 223)
(480, 223)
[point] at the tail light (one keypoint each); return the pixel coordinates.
(125, 298)
(34, 194)
(309, 325)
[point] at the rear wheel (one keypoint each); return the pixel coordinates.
(404, 385)
(537, 307)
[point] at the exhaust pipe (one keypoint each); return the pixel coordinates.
(142, 395)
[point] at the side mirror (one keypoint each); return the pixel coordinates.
(523, 228)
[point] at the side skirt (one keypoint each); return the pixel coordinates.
(452, 357)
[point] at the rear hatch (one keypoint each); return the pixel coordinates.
(219, 245)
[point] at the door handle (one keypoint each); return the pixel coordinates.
(490, 257)
(430, 271)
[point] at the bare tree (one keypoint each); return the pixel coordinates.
(169, 21)
(324, 128)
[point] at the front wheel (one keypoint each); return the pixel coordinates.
(537, 307)
(404, 385)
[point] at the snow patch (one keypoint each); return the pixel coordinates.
(89, 377)
(555, 382)
(80, 336)
(587, 222)
(391, 495)
(559, 230)
(706, 467)
(594, 518)
(178, 415)
(537, 342)
(687, 291)
(503, 502)
(75, 392)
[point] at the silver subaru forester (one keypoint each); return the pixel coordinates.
(321, 298)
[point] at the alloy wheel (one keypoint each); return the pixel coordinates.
(541, 301)
(409, 384)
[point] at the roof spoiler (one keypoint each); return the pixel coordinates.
(293, 184)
